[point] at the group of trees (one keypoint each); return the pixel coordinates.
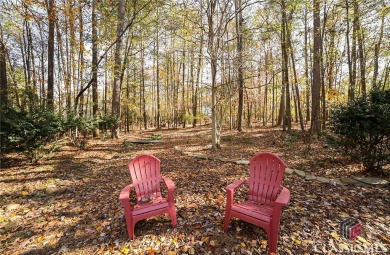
(148, 63)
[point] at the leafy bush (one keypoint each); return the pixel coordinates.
(27, 132)
(363, 127)
(107, 123)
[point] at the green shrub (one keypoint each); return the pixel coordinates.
(363, 127)
(29, 132)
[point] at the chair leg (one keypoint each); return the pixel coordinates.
(172, 212)
(131, 232)
(273, 239)
(129, 223)
(227, 220)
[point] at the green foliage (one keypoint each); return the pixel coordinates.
(107, 122)
(154, 137)
(363, 127)
(29, 132)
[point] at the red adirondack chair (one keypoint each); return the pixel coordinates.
(266, 196)
(145, 174)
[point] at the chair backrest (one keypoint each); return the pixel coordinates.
(145, 174)
(265, 178)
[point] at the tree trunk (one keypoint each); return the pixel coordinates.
(376, 52)
(142, 97)
(298, 100)
(158, 115)
(285, 80)
(240, 71)
(3, 75)
(50, 55)
(307, 82)
(198, 72)
(213, 46)
(316, 83)
(116, 91)
(95, 102)
(362, 57)
(81, 57)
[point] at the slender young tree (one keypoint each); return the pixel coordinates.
(3, 75)
(316, 82)
(240, 70)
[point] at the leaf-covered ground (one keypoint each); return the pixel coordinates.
(69, 203)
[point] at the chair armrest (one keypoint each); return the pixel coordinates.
(125, 194)
(235, 185)
(230, 192)
(283, 198)
(171, 188)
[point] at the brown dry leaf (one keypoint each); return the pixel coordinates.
(205, 239)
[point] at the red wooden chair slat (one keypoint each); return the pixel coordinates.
(266, 196)
(146, 178)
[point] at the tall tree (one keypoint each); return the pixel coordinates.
(216, 15)
(50, 54)
(158, 115)
(316, 82)
(285, 109)
(362, 57)
(81, 55)
(240, 70)
(378, 47)
(116, 90)
(94, 64)
(3, 75)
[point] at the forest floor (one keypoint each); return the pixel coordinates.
(68, 204)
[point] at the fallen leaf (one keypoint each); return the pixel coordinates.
(361, 239)
(335, 235)
(344, 247)
(40, 239)
(125, 250)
